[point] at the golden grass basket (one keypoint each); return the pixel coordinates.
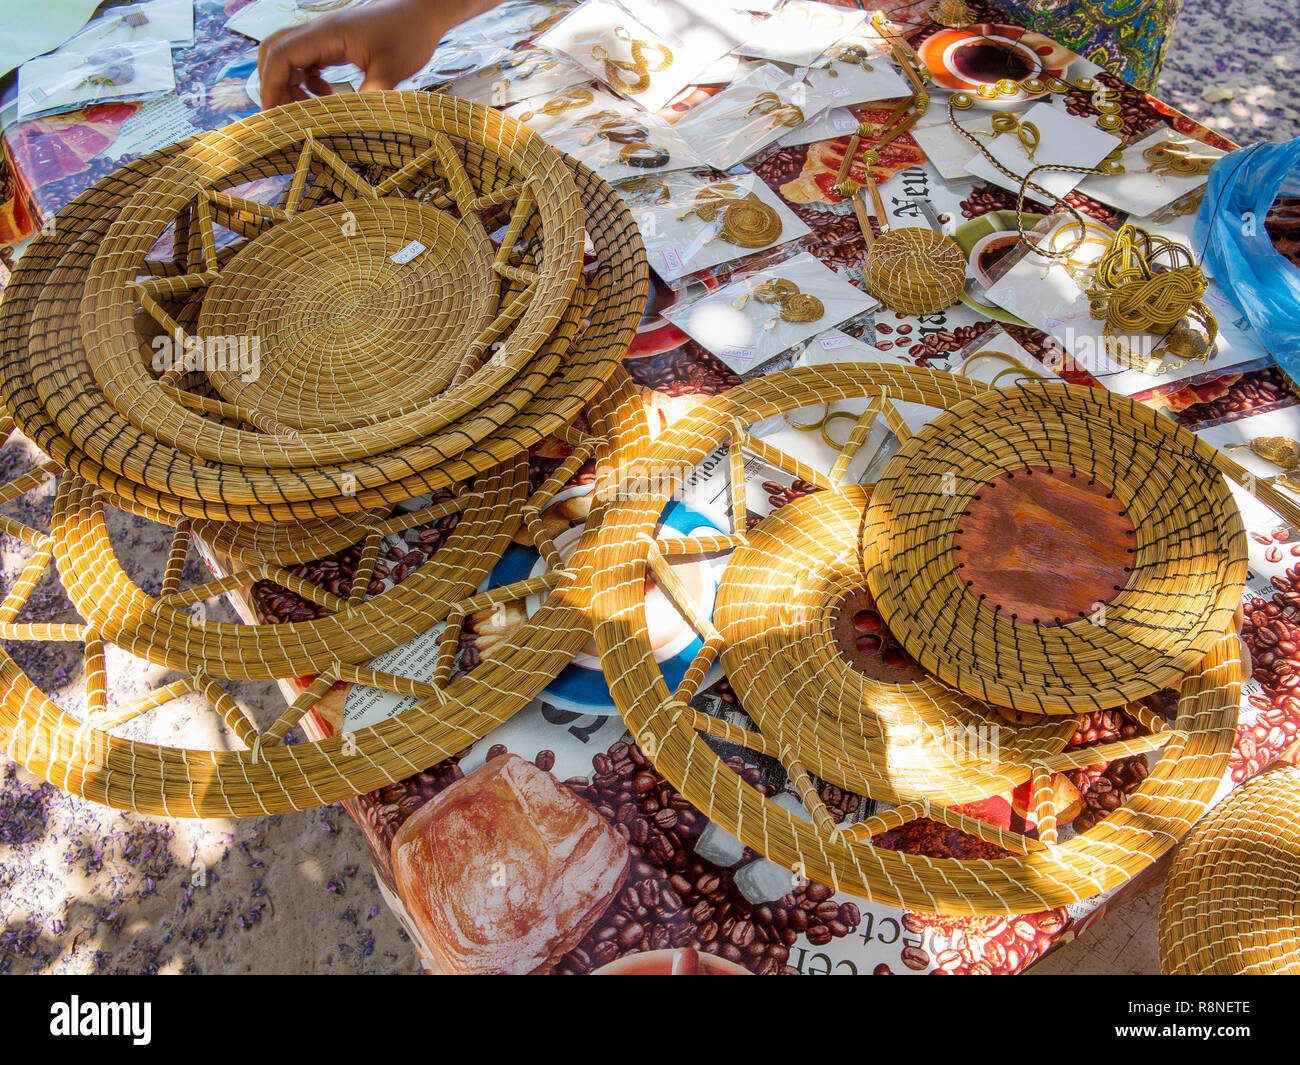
(1055, 549)
(811, 709)
(100, 755)
(1232, 900)
(62, 407)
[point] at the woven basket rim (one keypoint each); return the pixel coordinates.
(1230, 900)
(423, 467)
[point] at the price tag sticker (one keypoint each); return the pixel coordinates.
(835, 343)
(839, 94)
(408, 253)
(739, 354)
(672, 259)
(846, 123)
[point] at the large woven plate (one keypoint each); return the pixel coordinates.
(320, 284)
(541, 400)
(104, 755)
(1055, 549)
(1232, 900)
(882, 735)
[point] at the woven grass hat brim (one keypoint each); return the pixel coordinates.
(520, 166)
(1231, 904)
(1038, 875)
(274, 778)
(617, 284)
(1185, 568)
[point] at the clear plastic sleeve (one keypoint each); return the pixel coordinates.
(758, 109)
(755, 318)
(615, 138)
(691, 221)
(799, 31)
(69, 80)
(633, 58)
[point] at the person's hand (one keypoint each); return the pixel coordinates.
(390, 40)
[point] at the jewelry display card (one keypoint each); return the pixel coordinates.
(1158, 170)
(157, 20)
(756, 318)
(519, 75)
(1062, 140)
(859, 71)
(65, 81)
(635, 60)
(690, 221)
(799, 31)
(750, 114)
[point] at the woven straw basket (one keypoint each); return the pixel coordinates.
(954, 549)
(547, 363)
(466, 434)
(773, 628)
(92, 757)
(1232, 899)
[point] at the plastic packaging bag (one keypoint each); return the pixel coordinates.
(1237, 251)
(518, 76)
(857, 70)
(66, 81)
(691, 221)
(157, 20)
(617, 139)
(752, 320)
(631, 57)
(800, 31)
(757, 109)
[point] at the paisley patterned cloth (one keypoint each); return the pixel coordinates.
(1127, 37)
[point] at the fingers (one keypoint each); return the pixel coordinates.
(289, 61)
(381, 76)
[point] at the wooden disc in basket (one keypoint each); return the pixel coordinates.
(1054, 549)
(1232, 900)
(857, 716)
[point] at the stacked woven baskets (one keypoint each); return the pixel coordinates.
(432, 292)
(412, 291)
(899, 735)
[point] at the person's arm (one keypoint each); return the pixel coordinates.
(389, 40)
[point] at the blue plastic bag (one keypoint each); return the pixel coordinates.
(1239, 254)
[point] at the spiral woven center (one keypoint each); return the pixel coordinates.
(346, 312)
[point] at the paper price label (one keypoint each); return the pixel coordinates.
(835, 343)
(846, 123)
(672, 260)
(409, 252)
(838, 94)
(739, 354)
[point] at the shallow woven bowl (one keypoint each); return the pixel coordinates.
(322, 281)
(1036, 874)
(1232, 899)
(1135, 632)
(39, 313)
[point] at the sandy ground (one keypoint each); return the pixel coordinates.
(85, 889)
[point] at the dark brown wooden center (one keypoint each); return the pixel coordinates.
(1044, 547)
(865, 642)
